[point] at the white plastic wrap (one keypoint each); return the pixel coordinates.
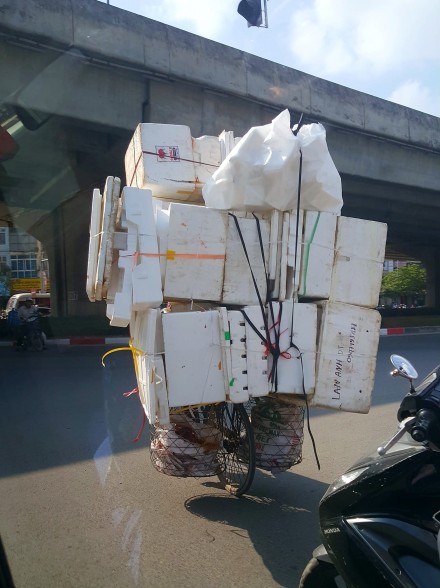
(260, 173)
(321, 188)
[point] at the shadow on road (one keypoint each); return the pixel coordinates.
(279, 517)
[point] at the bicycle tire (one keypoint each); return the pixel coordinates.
(237, 454)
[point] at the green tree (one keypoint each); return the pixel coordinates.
(405, 281)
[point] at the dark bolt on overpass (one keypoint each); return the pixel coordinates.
(77, 77)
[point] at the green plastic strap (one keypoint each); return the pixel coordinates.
(227, 336)
(231, 382)
(307, 252)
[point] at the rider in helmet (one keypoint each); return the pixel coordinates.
(26, 311)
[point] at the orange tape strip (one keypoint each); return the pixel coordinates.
(172, 255)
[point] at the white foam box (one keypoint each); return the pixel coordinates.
(294, 251)
(235, 340)
(192, 306)
(161, 158)
(207, 158)
(120, 290)
(227, 143)
(162, 217)
(109, 209)
(94, 240)
(193, 358)
(148, 348)
(358, 265)
(318, 252)
(135, 278)
(295, 365)
(196, 253)
(256, 356)
(138, 214)
(347, 350)
(238, 286)
(274, 253)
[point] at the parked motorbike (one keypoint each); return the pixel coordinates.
(380, 520)
(33, 336)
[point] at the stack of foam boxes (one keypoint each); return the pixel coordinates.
(341, 270)
(228, 305)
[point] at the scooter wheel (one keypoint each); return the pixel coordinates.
(37, 342)
(319, 574)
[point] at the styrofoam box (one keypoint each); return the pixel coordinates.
(193, 358)
(162, 216)
(256, 358)
(318, 254)
(238, 376)
(207, 158)
(358, 264)
(107, 228)
(196, 253)
(227, 143)
(291, 370)
(94, 240)
(135, 279)
(120, 290)
(160, 157)
(147, 284)
(294, 252)
(148, 345)
(238, 286)
(347, 350)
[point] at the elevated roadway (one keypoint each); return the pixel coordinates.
(77, 77)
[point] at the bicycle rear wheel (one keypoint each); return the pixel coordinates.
(237, 454)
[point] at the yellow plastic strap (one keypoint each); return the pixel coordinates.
(131, 348)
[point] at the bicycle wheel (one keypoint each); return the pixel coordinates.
(237, 454)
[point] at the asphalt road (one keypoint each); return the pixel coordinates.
(82, 506)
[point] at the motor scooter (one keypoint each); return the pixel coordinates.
(380, 520)
(33, 335)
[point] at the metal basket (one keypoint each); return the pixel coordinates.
(189, 445)
(279, 433)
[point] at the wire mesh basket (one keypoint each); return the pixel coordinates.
(189, 445)
(279, 433)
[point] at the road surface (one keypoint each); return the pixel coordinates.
(81, 505)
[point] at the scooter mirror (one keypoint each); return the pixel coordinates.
(403, 368)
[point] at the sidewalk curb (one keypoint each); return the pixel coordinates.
(409, 331)
(123, 341)
(120, 341)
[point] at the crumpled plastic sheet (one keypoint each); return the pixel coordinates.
(262, 171)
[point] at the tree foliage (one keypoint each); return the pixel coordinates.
(407, 281)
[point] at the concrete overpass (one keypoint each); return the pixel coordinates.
(81, 75)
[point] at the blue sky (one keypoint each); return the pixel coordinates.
(386, 48)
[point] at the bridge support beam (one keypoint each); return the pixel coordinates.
(432, 263)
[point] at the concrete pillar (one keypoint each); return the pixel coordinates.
(432, 263)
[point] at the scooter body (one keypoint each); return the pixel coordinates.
(379, 521)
